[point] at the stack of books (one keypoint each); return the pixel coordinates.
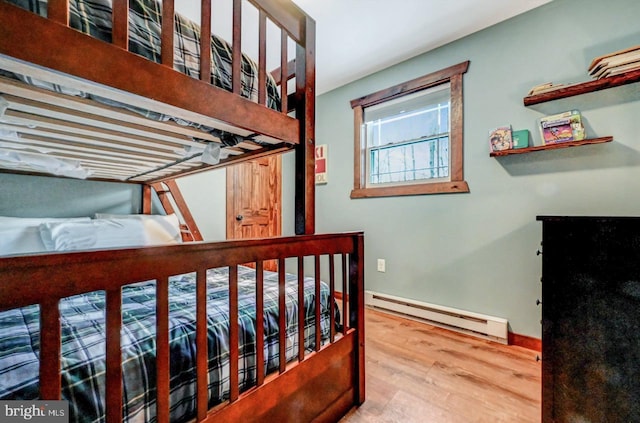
(546, 87)
(615, 63)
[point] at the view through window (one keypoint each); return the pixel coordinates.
(408, 138)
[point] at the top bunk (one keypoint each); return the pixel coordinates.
(113, 90)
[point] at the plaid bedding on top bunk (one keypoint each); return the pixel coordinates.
(93, 17)
(83, 344)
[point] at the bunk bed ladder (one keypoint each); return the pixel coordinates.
(170, 196)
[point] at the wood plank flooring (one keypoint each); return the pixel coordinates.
(420, 373)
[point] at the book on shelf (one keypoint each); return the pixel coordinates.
(500, 139)
(540, 87)
(615, 63)
(599, 59)
(629, 63)
(520, 138)
(562, 127)
(547, 87)
(622, 69)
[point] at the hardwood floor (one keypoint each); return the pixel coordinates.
(419, 373)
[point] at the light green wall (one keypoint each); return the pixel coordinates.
(205, 195)
(476, 251)
(40, 196)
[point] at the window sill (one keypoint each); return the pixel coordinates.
(418, 189)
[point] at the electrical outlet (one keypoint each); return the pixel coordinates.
(382, 266)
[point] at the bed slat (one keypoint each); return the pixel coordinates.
(236, 60)
(71, 149)
(318, 305)
(234, 388)
(53, 140)
(282, 318)
(205, 41)
(113, 389)
(152, 166)
(283, 74)
(162, 349)
(345, 295)
(50, 381)
(166, 50)
(85, 109)
(38, 115)
(332, 295)
(301, 313)
(259, 323)
(120, 23)
(202, 352)
(262, 57)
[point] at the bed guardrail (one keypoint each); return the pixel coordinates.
(46, 279)
(111, 64)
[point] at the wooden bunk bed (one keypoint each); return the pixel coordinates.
(142, 120)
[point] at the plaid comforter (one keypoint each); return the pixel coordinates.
(93, 17)
(83, 344)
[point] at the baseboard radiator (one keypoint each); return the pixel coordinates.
(479, 325)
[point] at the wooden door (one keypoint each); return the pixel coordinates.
(254, 197)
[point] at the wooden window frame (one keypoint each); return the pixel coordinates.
(457, 184)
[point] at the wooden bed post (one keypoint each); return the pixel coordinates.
(305, 151)
(356, 311)
(146, 199)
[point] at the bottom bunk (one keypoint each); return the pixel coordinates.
(184, 332)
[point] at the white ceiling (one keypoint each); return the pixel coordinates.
(355, 38)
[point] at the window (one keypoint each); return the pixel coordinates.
(408, 138)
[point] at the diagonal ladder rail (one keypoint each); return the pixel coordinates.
(170, 196)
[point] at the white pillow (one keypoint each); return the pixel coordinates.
(21, 235)
(160, 229)
(102, 233)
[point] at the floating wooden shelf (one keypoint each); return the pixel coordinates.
(551, 146)
(584, 88)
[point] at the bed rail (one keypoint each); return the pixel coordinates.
(30, 38)
(340, 362)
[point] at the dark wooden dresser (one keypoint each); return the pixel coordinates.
(590, 319)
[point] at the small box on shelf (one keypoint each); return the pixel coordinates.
(520, 138)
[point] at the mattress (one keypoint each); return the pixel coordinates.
(93, 17)
(83, 343)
